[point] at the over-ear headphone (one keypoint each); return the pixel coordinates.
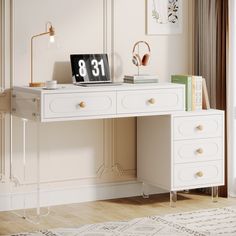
(137, 60)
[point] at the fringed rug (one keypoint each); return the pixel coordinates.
(213, 222)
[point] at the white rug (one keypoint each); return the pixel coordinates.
(213, 222)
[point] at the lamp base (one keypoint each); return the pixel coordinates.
(37, 84)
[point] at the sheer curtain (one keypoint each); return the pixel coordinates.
(210, 52)
(231, 100)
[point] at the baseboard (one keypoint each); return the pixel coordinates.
(70, 195)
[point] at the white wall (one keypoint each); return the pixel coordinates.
(231, 102)
(76, 154)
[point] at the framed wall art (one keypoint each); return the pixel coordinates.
(164, 17)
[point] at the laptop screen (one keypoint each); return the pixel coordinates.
(90, 68)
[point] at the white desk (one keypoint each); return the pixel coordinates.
(177, 150)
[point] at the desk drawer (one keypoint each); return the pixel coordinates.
(198, 150)
(198, 174)
(150, 100)
(79, 104)
(192, 127)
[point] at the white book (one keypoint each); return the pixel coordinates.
(197, 92)
(140, 77)
(140, 81)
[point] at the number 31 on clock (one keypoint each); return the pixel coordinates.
(97, 68)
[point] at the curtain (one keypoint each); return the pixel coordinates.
(210, 52)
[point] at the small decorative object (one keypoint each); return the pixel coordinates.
(164, 17)
(49, 31)
(140, 60)
(51, 84)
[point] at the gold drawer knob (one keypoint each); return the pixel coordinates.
(152, 101)
(200, 127)
(82, 104)
(199, 174)
(199, 151)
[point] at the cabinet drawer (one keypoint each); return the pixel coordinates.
(198, 150)
(150, 100)
(198, 174)
(79, 104)
(198, 127)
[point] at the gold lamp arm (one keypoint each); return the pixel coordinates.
(50, 32)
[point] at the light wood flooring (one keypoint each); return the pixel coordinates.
(109, 210)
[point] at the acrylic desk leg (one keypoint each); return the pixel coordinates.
(214, 194)
(38, 169)
(173, 198)
(24, 161)
(144, 190)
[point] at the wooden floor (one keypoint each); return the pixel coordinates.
(110, 210)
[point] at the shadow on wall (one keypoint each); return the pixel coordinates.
(62, 72)
(118, 73)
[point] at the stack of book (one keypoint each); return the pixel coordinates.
(140, 79)
(195, 91)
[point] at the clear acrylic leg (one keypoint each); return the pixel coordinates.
(32, 218)
(144, 190)
(38, 170)
(173, 198)
(24, 162)
(214, 194)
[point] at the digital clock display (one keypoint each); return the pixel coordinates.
(90, 67)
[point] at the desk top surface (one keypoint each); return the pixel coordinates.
(65, 88)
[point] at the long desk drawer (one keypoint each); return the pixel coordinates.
(150, 100)
(79, 104)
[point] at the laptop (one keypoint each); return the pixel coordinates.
(90, 70)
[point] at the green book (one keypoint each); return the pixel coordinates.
(187, 81)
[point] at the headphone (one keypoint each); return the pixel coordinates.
(137, 60)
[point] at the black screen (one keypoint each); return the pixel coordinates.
(90, 67)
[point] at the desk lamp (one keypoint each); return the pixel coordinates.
(51, 32)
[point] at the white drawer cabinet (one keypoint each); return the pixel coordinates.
(79, 104)
(181, 151)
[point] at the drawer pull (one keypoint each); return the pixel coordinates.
(82, 104)
(199, 174)
(199, 151)
(152, 101)
(200, 127)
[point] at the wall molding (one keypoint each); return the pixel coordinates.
(2, 40)
(110, 166)
(2, 148)
(86, 193)
(2, 48)
(2, 90)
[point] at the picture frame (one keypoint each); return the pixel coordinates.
(164, 17)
